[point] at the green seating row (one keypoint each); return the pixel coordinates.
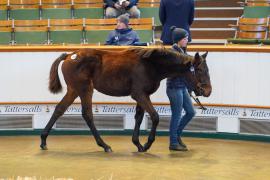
(149, 12)
(3, 14)
(65, 13)
(55, 13)
(248, 41)
(64, 37)
(256, 11)
(69, 31)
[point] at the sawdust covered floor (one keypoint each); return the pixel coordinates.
(78, 157)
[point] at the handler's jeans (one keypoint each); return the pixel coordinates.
(179, 100)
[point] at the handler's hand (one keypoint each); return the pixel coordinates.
(126, 4)
(117, 6)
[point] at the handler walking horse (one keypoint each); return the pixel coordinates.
(135, 71)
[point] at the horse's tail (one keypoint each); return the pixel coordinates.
(54, 82)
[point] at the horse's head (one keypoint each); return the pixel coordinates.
(198, 76)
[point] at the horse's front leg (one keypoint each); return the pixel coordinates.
(59, 111)
(87, 114)
(146, 104)
(138, 117)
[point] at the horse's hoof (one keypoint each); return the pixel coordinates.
(141, 149)
(108, 149)
(145, 147)
(43, 147)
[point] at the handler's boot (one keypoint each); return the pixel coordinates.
(177, 147)
(181, 142)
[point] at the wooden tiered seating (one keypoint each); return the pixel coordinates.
(210, 25)
(212, 19)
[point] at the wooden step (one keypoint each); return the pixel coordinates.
(218, 13)
(217, 3)
(201, 34)
(212, 23)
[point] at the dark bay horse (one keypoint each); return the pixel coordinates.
(136, 72)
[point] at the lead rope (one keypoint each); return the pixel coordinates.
(196, 99)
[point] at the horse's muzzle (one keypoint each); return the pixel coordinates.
(207, 91)
(203, 90)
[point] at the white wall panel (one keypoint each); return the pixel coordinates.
(24, 76)
(237, 78)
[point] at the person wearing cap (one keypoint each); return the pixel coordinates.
(114, 8)
(177, 92)
(179, 13)
(123, 34)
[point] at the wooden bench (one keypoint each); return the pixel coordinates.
(66, 31)
(255, 3)
(30, 31)
(5, 31)
(24, 9)
(88, 9)
(249, 30)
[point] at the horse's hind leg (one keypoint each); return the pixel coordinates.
(155, 120)
(86, 99)
(146, 104)
(59, 111)
(138, 117)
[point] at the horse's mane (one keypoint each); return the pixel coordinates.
(146, 53)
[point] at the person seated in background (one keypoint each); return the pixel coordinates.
(114, 8)
(123, 34)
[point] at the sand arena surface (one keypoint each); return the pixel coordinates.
(79, 158)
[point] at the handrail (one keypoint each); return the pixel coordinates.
(134, 103)
(70, 48)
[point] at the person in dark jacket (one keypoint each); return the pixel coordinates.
(114, 8)
(123, 34)
(179, 13)
(177, 92)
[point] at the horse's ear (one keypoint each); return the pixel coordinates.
(196, 58)
(205, 54)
